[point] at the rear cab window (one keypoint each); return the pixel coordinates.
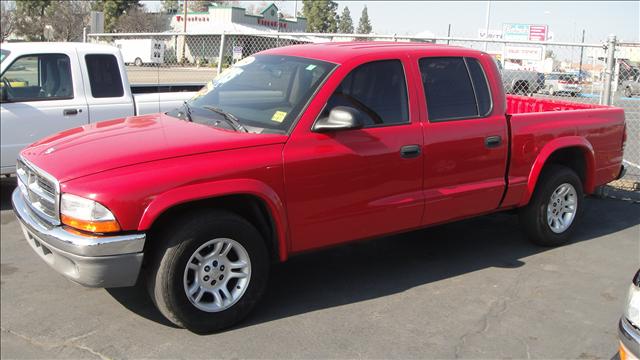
(104, 76)
(378, 90)
(455, 88)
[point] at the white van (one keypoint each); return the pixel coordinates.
(141, 51)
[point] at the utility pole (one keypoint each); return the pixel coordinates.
(448, 33)
(486, 27)
(608, 75)
(184, 30)
(581, 52)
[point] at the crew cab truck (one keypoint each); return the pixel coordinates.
(299, 148)
(49, 87)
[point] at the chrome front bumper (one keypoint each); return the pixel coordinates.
(629, 337)
(95, 261)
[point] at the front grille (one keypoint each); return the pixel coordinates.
(40, 190)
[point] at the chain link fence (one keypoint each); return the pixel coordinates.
(587, 73)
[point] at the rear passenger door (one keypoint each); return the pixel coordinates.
(39, 98)
(352, 184)
(465, 149)
(107, 96)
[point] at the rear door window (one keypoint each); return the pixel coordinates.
(378, 89)
(104, 76)
(455, 88)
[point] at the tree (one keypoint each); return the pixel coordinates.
(203, 5)
(67, 19)
(321, 15)
(364, 25)
(345, 23)
(171, 6)
(30, 19)
(7, 21)
(199, 5)
(113, 9)
(135, 20)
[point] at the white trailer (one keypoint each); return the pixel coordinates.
(141, 51)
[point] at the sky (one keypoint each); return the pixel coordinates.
(566, 19)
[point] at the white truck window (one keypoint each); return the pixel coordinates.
(104, 76)
(38, 77)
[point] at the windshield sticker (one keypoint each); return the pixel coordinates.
(278, 116)
(310, 67)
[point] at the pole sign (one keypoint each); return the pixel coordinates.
(537, 32)
(523, 52)
(237, 53)
(524, 32)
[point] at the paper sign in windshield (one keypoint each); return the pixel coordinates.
(278, 116)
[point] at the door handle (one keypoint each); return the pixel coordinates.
(67, 112)
(410, 151)
(493, 141)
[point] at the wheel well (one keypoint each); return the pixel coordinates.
(571, 157)
(250, 207)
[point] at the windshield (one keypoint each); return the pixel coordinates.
(3, 54)
(263, 93)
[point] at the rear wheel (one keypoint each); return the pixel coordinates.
(137, 62)
(556, 205)
(210, 272)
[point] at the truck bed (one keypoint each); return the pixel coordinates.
(538, 125)
(526, 104)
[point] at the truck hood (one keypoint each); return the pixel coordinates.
(128, 141)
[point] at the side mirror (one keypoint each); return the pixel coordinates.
(340, 118)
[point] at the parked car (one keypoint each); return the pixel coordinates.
(631, 87)
(141, 51)
(629, 325)
(49, 87)
(561, 83)
(521, 81)
(299, 148)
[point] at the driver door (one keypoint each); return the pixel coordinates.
(346, 185)
(39, 98)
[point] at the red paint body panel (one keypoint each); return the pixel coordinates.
(327, 188)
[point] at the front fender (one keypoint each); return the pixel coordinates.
(553, 146)
(213, 189)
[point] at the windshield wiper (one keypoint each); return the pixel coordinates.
(187, 111)
(229, 117)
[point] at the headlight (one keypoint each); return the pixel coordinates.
(87, 215)
(632, 311)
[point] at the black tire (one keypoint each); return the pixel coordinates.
(138, 62)
(533, 217)
(177, 243)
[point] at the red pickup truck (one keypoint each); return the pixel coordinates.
(299, 148)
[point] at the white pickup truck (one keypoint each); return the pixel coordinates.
(50, 87)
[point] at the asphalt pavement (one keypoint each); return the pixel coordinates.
(472, 289)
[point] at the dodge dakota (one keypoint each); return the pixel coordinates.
(299, 148)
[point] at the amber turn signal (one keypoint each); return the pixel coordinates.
(91, 226)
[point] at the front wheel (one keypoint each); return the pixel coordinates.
(209, 271)
(556, 204)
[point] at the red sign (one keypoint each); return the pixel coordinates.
(537, 32)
